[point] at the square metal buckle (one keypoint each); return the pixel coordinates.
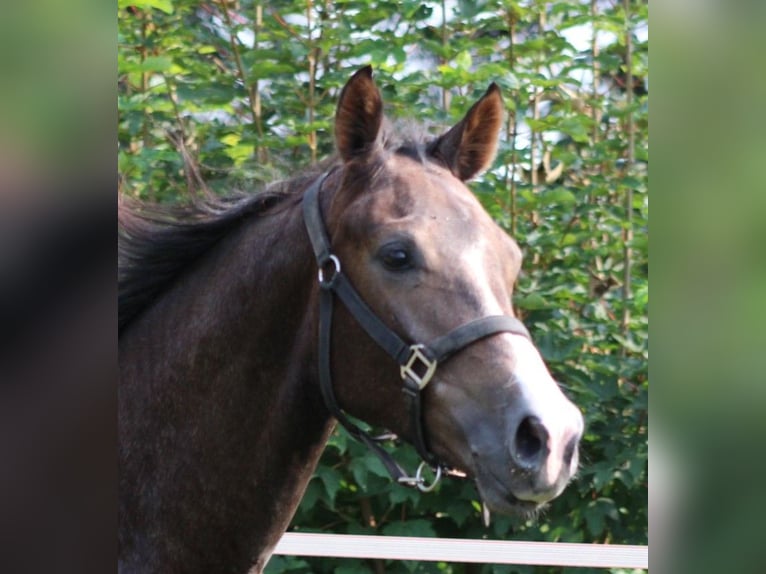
(417, 360)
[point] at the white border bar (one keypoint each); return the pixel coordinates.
(459, 550)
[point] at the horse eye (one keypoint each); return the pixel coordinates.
(396, 257)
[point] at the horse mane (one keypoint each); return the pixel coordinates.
(157, 242)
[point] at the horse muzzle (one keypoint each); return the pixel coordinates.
(536, 462)
(537, 454)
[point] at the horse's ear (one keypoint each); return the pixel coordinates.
(469, 147)
(359, 116)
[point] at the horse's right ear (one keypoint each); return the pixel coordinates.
(359, 116)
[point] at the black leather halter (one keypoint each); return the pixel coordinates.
(417, 362)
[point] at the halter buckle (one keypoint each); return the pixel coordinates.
(419, 360)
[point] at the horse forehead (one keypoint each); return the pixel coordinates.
(424, 191)
(442, 205)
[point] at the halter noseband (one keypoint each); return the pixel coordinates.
(417, 362)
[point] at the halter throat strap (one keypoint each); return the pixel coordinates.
(417, 361)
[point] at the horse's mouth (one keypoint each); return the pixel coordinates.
(499, 498)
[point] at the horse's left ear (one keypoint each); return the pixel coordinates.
(358, 116)
(469, 147)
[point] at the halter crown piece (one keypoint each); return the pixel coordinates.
(417, 361)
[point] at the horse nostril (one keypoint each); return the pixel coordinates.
(530, 441)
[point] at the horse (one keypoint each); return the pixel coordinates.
(373, 284)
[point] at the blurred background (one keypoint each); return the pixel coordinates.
(57, 287)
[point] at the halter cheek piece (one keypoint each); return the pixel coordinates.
(417, 362)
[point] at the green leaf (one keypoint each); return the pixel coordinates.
(331, 480)
(459, 511)
(401, 494)
(416, 527)
(163, 5)
(558, 196)
(531, 302)
(578, 128)
(463, 60)
(150, 64)
(353, 567)
(629, 344)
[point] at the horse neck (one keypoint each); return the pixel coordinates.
(221, 420)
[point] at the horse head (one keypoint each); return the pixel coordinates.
(427, 258)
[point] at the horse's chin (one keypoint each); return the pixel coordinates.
(496, 494)
(500, 499)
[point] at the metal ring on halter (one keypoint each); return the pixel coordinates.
(420, 481)
(336, 263)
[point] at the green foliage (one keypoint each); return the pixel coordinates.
(244, 96)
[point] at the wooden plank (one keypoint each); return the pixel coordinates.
(461, 550)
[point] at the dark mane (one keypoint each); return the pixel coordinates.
(157, 242)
